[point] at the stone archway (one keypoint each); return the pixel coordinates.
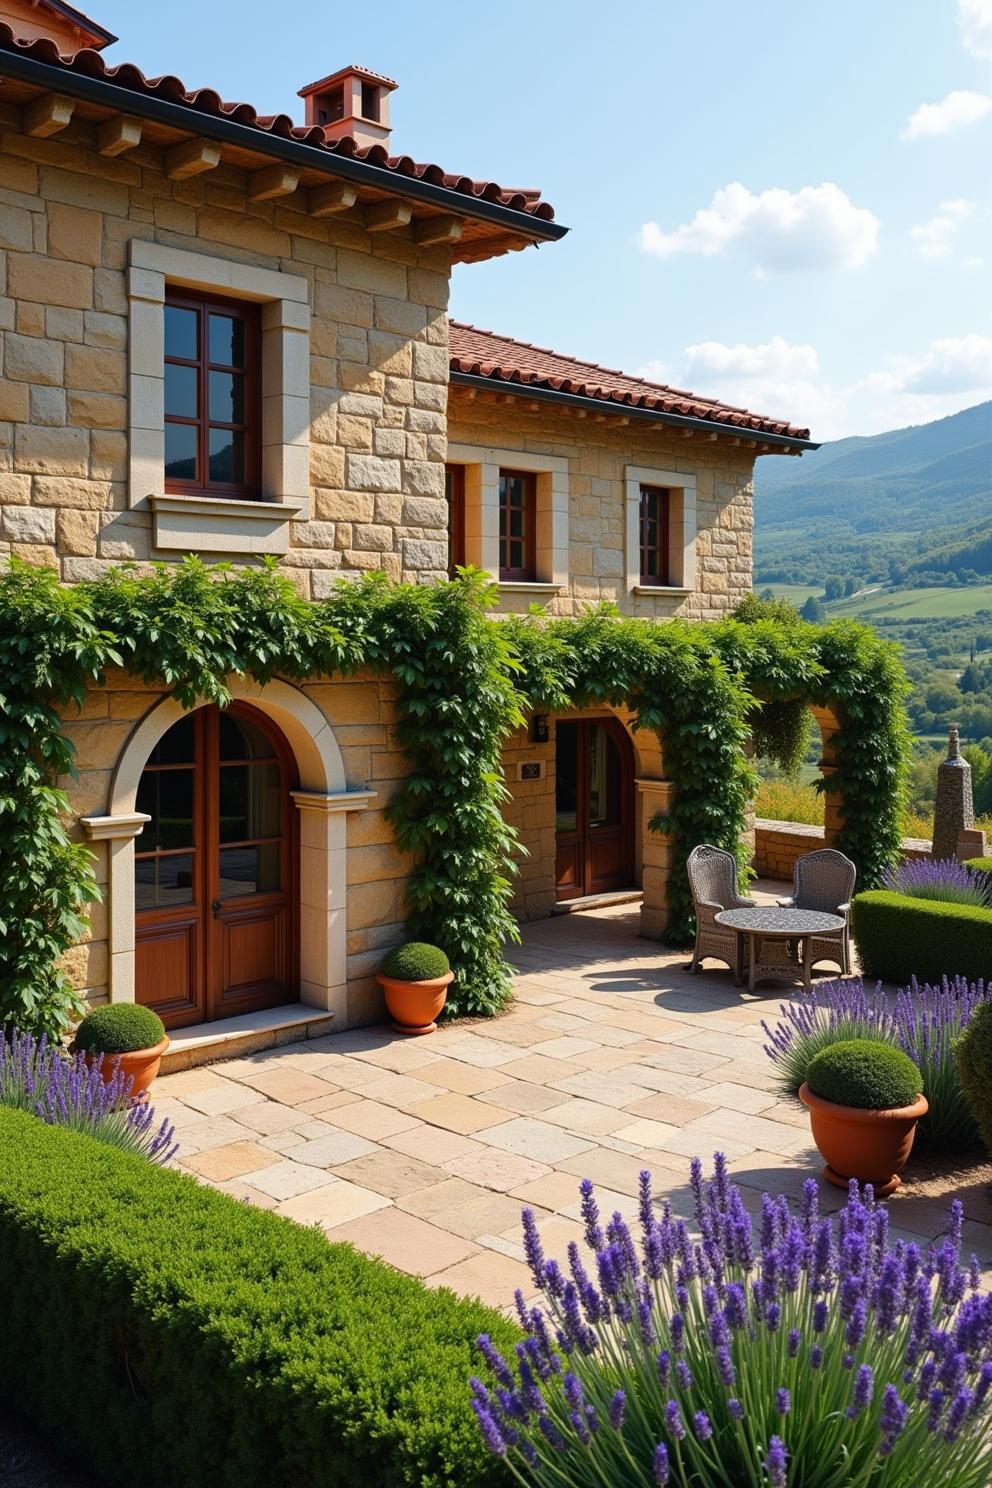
(322, 799)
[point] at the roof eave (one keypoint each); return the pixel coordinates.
(52, 78)
(629, 411)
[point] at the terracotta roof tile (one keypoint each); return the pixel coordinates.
(207, 101)
(504, 360)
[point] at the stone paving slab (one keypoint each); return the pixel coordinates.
(612, 1058)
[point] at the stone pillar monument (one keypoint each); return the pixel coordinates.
(954, 810)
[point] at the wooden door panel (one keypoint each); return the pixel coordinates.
(568, 870)
(607, 862)
(168, 971)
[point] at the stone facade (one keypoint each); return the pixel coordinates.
(597, 455)
(378, 359)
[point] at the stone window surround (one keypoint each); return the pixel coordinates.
(681, 529)
(215, 524)
(323, 800)
(482, 466)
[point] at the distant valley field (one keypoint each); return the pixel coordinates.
(895, 530)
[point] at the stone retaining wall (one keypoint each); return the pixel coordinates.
(777, 845)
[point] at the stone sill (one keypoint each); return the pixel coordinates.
(661, 591)
(529, 586)
(220, 524)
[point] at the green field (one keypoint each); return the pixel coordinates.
(952, 602)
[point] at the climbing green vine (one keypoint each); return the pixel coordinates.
(464, 681)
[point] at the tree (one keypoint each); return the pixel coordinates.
(833, 589)
(812, 610)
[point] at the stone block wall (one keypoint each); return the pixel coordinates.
(361, 712)
(597, 454)
(378, 372)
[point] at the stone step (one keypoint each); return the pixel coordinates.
(230, 1038)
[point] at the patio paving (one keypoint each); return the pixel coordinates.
(611, 1059)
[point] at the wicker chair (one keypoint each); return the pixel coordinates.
(713, 880)
(824, 881)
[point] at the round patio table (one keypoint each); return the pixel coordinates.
(772, 933)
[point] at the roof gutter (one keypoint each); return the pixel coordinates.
(626, 410)
(228, 131)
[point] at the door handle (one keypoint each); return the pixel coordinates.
(216, 906)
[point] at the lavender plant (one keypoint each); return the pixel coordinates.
(922, 1021)
(943, 879)
(820, 1356)
(63, 1090)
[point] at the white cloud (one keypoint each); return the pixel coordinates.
(784, 380)
(776, 358)
(933, 239)
(817, 227)
(959, 107)
(955, 364)
(975, 20)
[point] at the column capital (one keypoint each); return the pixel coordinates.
(334, 801)
(121, 828)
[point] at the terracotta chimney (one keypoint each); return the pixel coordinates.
(352, 101)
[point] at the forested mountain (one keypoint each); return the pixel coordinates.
(911, 505)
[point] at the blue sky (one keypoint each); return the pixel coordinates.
(842, 282)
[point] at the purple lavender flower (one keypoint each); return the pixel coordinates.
(864, 1388)
(659, 1465)
(775, 1462)
(942, 879)
(590, 1215)
(491, 1434)
(734, 1409)
(893, 1418)
(64, 1090)
(618, 1406)
(783, 1401)
(674, 1423)
(703, 1426)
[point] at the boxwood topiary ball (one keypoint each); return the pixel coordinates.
(119, 1028)
(865, 1073)
(415, 962)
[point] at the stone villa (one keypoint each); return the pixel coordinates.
(227, 334)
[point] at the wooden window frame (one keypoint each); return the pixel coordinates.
(249, 313)
(528, 573)
(658, 546)
(454, 483)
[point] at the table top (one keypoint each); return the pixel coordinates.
(771, 920)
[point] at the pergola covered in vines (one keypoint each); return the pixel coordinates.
(464, 682)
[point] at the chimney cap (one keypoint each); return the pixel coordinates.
(355, 70)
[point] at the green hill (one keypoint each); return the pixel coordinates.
(911, 505)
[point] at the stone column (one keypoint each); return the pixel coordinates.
(323, 894)
(954, 810)
(119, 833)
(656, 856)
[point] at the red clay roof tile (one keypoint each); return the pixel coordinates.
(504, 360)
(207, 101)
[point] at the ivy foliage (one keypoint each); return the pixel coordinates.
(463, 683)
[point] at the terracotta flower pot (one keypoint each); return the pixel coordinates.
(141, 1064)
(871, 1146)
(414, 1006)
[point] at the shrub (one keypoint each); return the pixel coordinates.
(119, 1028)
(974, 1056)
(866, 1073)
(219, 1346)
(828, 1358)
(899, 937)
(922, 1021)
(979, 865)
(37, 1076)
(943, 880)
(415, 962)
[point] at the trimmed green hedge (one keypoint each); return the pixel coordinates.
(981, 865)
(172, 1335)
(899, 937)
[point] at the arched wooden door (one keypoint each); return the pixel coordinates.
(594, 807)
(216, 870)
